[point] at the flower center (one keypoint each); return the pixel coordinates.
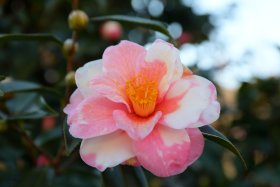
(142, 94)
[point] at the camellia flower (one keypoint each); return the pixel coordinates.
(141, 107)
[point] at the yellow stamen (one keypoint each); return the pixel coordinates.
(142, 94)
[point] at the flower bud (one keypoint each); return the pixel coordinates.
(68, 47)
(111, 30)
(42, 160)
(77, 20)
(48, 123)
(70, 78)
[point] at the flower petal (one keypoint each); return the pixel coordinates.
(120, 64)
(111, 89)
(136, 127)
(167, 53)
(106, 151)
(75, 99)
(123, 60)
(164, 152)
(93, 117)
(197, 144)
(85, 74)
(189, 103)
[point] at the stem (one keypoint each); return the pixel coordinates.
(68, 90)
(75, 4)
(30, 142)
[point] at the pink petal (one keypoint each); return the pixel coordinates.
(136, 127)
(197, 144)
(164, 152)
(123, 60)
(120, 64)
(85, 74)
(168, 54)
(93, 117)
(108, 87)
(75, 99)
(190, 102)
(106, 151)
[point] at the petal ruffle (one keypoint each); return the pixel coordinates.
(122, 62)
(190, 102)
(197, 144)
(164, 152)
(85, 74)
(75, 99)
(167, 53)
(107, 151)
(111, 89)
(136, 127)
(93, 117)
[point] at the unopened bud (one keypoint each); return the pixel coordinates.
(42, 160)
(77, 20)
(69, 47)
(111, 30)
(70, 78)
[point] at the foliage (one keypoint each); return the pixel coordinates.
(32, 96)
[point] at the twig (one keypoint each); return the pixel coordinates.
(69, 68)
(29, 141)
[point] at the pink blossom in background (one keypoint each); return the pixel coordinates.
(48, 123)
(141, 107)
(42, 160)
(111, 30)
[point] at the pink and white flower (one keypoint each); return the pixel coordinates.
(141, 107)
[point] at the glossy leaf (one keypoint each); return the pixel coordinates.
(38, 177)
(28, 106)
(215, 136)
(112, 177)
(2, 77)
(140, 176)
(24, 86)
(48, 136)
(30, 37)
(69, 142)
(137, 21)
(78, 175)
(134, 176)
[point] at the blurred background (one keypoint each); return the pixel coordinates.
(235, 43)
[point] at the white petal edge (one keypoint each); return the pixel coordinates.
(85, 74)
(199, 94)
(107, 151)
(167, 53)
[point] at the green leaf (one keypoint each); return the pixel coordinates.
(38, 177)
(24, 86)
(78, 176)
(28, 106)
(2, 77)
(30, 37)
(137, 21)
(112, 177)
(140, 177)
(134, 176)
(213, 135)
(48, 136)
(69, 142)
